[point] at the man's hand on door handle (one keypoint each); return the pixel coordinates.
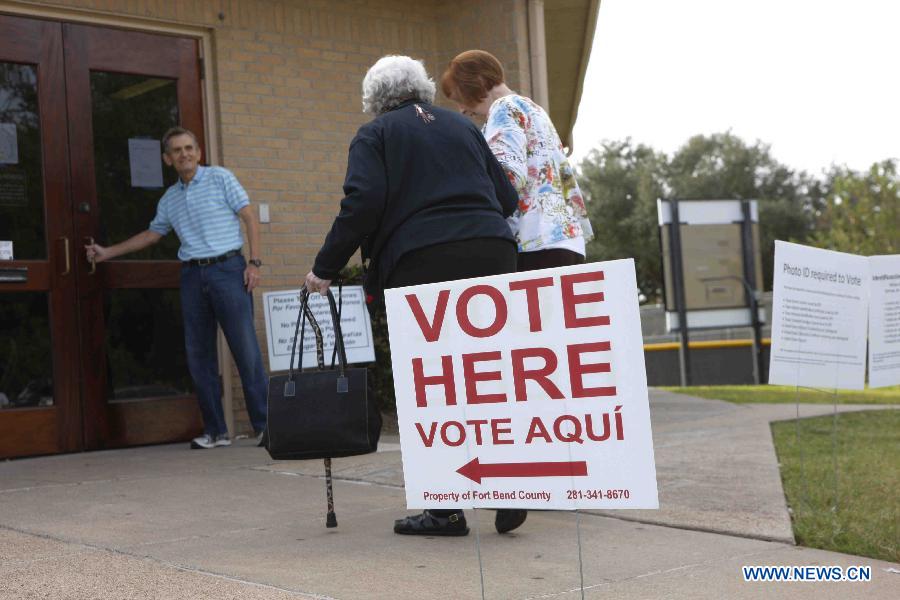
(96, 253)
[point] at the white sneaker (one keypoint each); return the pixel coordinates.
(206, 441)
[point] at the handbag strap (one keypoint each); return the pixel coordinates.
(304, 315)
(317, 331)
(338, 335)
(340, 302)
(320, 346)
(307, 314)
(298, 329)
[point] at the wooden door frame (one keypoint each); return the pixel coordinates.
(53, 429)
(212, 145)
(97, 48)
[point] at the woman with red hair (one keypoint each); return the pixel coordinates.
(550, 222)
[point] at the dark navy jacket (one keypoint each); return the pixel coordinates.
(417, 175)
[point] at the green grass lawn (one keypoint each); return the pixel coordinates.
(778, 394)
(867, 450)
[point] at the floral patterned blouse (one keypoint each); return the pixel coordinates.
(526, 144)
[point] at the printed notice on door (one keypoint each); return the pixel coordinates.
(9, 144)
(819, 318)
(13, 190)
(884, 321)
(145, 159)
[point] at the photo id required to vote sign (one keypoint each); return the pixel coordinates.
(283, 308)
(884, 321)
(525, 390)
(819, 311)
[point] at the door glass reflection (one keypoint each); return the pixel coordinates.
(26, 371)
(145, 345)
(130, 113)
(21, 185)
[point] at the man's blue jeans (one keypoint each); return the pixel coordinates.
(216, 293)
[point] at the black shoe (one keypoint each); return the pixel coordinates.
(508, 519)
(429, 524)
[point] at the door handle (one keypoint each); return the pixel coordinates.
(13, 274)
(93, 269)
(67, 254)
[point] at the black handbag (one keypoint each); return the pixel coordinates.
(327, 413)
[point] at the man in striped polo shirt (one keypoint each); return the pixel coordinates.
(205, 208)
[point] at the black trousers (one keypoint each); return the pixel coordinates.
(473, 258)
(545, 259)
(454, 260)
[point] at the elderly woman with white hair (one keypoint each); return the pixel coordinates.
(426, 201)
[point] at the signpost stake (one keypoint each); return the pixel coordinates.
(750, 289)
(684, 358)
(580, 561)
(834, 461)
(478, 550)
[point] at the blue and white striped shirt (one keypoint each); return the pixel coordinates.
(203, 213)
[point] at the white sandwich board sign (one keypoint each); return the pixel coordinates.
(525, 390)
(819, 318)
(884, 321)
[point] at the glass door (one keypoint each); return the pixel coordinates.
(91, 356)
(39, 384)
(124, 90)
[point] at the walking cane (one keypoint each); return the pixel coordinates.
(330, 517)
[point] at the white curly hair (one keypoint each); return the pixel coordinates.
(395, 79)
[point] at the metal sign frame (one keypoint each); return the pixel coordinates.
(673, 214)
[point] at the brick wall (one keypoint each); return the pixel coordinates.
(288, 75)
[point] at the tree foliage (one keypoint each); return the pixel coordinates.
(623, 181)
(861, 212)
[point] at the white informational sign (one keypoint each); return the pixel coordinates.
(282, 310)
(145, 159)
(819, 318)
(525, 390)
(6, 250)
(884, 321)
(9, 144)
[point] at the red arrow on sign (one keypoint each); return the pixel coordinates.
(475, 470)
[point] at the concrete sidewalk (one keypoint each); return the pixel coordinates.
(167, 522)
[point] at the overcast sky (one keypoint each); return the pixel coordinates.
(817, 79)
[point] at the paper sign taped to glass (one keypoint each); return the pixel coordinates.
(9, 144)
(145, 162)
(525, 390)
